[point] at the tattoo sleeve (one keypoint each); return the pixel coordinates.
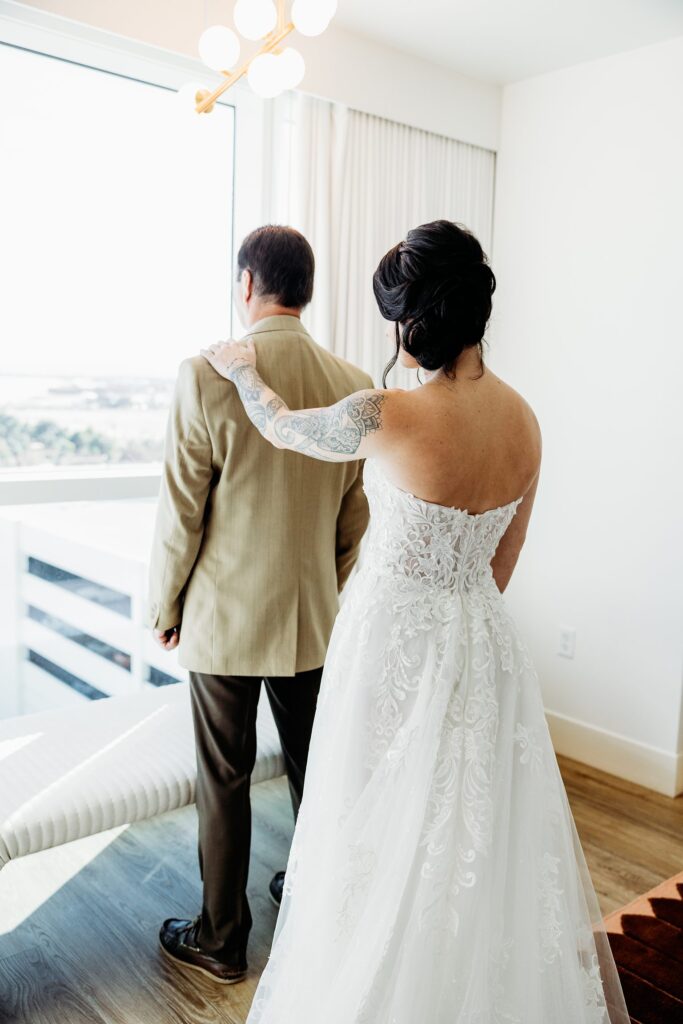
(333, 434)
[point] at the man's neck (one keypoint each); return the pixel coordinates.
(266, 309)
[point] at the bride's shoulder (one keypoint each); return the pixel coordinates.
(391, 400)
(394, 408)
(517, 402)
(379, 413)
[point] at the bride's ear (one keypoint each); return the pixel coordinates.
(405, 358)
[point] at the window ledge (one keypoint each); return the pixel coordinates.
(78, 483)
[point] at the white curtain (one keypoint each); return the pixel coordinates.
(354, 184)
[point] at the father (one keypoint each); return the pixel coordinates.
(251, 548)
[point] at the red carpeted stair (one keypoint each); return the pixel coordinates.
(646, 937)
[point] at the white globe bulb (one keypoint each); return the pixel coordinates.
(219, 48)
(255, 18)
(311, 17)
(265, 77)
(187, 95)
(292, 67)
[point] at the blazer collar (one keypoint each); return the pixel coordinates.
(277, 323)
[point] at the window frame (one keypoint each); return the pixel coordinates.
(60, 38)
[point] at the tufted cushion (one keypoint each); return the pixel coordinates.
(70, 773)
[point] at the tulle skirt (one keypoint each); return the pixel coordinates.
(435, 874)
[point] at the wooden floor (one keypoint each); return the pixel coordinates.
(79, 924)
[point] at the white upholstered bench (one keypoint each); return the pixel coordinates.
(70, 773)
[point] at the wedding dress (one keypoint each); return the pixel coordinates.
(435, 874)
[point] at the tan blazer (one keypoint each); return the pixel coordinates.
(252, 544)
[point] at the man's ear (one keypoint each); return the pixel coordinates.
(247, 282)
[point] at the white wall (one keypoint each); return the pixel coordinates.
(340, 65)
(588, 251)
(379, 80)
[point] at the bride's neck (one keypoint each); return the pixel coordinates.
(467, 366)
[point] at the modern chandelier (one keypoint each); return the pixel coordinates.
(272, 69)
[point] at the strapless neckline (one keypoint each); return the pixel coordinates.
(434, 504)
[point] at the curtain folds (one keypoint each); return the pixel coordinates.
(354, 184)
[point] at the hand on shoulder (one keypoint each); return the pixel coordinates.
(352, 428)
(227, 357)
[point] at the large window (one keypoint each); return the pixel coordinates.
(115, 258)
(116, 242)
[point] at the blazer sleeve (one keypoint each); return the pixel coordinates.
(352, 523)
(354, 513)
(185, 486)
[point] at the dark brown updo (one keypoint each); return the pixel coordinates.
(436, 286)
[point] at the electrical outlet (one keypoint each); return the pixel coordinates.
(567, 642)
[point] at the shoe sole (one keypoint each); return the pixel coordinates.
(202, 970)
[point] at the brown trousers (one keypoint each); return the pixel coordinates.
(224, 716)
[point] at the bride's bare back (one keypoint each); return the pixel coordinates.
(472, 443)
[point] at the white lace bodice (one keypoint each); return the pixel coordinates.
(418, 541)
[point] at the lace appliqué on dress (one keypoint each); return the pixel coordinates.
(593, 991)
(549, 896)
(532, 753)
(362, 861)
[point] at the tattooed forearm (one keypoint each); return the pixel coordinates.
(257, 415)
(248, 383)
(273, 407)
(334, 434)
(338, 429)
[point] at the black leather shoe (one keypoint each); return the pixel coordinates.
(178, 940)
(277, 884)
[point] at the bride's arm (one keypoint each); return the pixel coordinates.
(338, 433)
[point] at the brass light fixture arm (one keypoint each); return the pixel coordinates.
(206, 100)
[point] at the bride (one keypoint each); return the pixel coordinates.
(435, 875)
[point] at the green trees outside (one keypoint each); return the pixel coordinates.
(30, 444)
